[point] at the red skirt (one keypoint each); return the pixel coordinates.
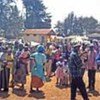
(37, 82)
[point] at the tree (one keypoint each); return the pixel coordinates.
(77, 27)
(74, 25)
(59, 28)
(11, 23)
(15, 22)
(89, 23)
(36, 16)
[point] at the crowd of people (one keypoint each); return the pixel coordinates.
(67, 62)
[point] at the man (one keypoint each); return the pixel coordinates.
(75, 66)
(91, 68)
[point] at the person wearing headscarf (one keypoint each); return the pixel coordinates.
(38, 60)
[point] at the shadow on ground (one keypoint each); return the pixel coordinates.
(19, 92)
(37, 95)
(96, 93)
(4, 95)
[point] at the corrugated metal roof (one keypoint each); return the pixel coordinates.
(39, 31)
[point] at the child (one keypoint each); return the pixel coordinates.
(66, 73)
(59, 73)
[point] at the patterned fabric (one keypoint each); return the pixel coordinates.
(20, 74)
(75, 65)
(9, 59)
(92, 60)
(20, 70)
(59, 72)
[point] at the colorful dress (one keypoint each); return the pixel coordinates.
(20, 73)
(38, 67)
(60, 72)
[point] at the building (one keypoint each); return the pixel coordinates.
(38, 35)
(94, 36)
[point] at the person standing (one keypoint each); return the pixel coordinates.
(4, 72)
(91, 68)
(20, 68)
(38, 59)
(75, 67)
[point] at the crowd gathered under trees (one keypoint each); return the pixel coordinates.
(67, 62)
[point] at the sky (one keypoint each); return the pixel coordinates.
(60, 9)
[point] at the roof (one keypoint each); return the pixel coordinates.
(39, 31)
(94, 35)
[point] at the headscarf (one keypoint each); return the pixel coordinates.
(40, 49)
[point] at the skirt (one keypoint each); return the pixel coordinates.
(20, 74)
(37, 82)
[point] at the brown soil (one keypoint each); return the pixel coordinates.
(49, 92)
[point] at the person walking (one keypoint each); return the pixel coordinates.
(75, 67)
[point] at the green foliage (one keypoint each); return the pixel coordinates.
(11, 23)
(73, 25)
(36, 16)
(59, 28)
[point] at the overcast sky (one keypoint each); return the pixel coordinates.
(59, 9)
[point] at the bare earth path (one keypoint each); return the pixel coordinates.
(50, 92)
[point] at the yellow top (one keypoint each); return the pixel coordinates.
(9, 57)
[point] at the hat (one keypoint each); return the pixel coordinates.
(40, 48)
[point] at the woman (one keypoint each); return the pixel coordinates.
(21, 64)
(4, 72)
(92, 67)
(38, 60)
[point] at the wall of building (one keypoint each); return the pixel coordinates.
(35, 38)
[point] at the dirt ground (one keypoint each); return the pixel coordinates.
(49, 92)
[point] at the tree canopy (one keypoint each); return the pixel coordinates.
(11, 24)
(36, 15)
(76, 25)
